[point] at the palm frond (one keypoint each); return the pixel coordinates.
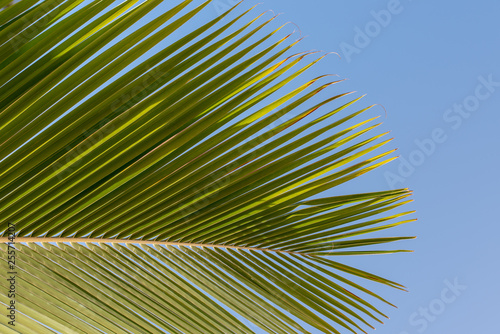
(155, 187)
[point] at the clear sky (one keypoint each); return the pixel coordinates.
(435, 67)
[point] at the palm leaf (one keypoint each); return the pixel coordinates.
(162, 191)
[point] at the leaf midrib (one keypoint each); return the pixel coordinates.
(148, 242)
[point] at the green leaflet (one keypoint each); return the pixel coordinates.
(183, 190)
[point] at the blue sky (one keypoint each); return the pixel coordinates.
(435, 68)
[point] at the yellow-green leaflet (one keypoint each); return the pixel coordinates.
(165, 172)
